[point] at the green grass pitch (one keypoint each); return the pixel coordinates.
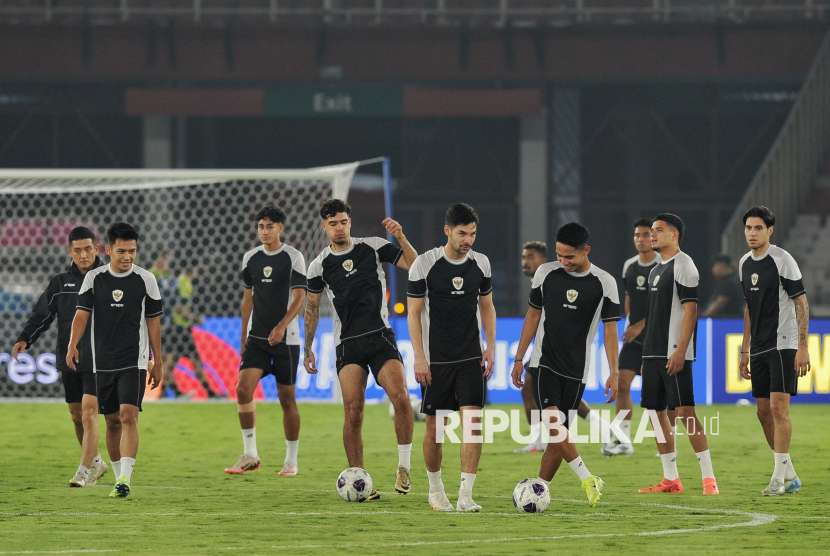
(183, 502)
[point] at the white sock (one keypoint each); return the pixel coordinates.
(467, 482)
(249, 442)
(547, 483)
(705, 462)
(625, 426)
(536, 433)
(83, 471)
(404, 455)
(291, 447)
(116, 468)
(781, 461)
(790, 474)
(127, 465)
(97, 460)
(435, 482)
(580, 468)
(670, 466)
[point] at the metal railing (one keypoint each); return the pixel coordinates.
(787, 175)
(427, 12)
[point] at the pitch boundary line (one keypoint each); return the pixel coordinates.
(757, 519)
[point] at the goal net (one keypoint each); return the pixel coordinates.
(195, 226)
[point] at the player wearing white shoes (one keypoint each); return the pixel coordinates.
(669, 350)
(59, 300)
(450, 298)
(350, 271)
(567, 301)
(774, 350)
(534, 254)
(635, 275)
(123, 303)
(274, 280)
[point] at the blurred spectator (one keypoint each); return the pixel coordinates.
(178, 338)
(727, 301)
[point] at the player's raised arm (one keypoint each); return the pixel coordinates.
(409, 254)
(78, 329)
(529, 328)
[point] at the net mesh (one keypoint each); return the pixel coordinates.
(194, 231)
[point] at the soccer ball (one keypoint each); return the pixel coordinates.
(531, 496)
(354, 484)
(415, 402)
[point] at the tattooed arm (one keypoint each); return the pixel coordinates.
(802, 316)
(312, 317)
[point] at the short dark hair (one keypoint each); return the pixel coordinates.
(573, 234)
(539, 246)
(647, 222)
(674, 221)
(723, 258)
(271, 212)
(334, 206)
(81, 232)
(763, 213)
(460, 215)
(123, 231)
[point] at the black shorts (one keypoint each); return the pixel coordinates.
(280, 360)
(773, 371)
(553, 390)
(661, 391)
(532, 374)
(631, 357)
(116, 388)
(370, 352)
(178, 340)
(454, 386)
(78, 383)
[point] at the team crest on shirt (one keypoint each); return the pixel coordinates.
(117, 295)
(572, 295)
(641, 280)
(458, 282)
(656, 279)
(348, 265)
(754, 279)
(267, 271)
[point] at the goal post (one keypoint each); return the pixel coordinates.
(195, 226)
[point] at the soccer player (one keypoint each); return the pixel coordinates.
(635, 275)
(568, 298)
(274, 278)
(669, 350)
(535, 254)
(351, 273)
(450, 297)
(124, 302)
(59, 300)
(774, 350)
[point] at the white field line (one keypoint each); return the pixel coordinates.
(756, 519)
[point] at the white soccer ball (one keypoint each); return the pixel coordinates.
(354, 485)
(531, 496)
(415, 402)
